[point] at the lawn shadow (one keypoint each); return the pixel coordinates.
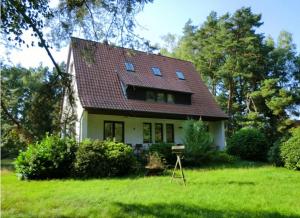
(179, 210)
(239, 183)
(235, 165)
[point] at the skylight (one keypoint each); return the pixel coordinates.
(129, 66)
(156, 71)
(180, 75)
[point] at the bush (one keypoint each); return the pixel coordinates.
(248, 144)
(222, 157)
(165, 151)
(274, 153)
(155, 161)
(290, 151)
(198, 142)
(50, 158)
(103, 159)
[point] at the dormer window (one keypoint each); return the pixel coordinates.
(129, 66)
(180, 75)
(156, 71)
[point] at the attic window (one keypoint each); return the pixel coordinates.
(129, 66)
(156, 71)
(180, 75)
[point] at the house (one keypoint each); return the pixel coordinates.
(137, 97)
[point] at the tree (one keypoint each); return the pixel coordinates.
(255, 80)
(31, 105)
(229, 55)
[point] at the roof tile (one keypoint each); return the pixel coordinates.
(100, 69)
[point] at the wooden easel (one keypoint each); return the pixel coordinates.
(178, 163)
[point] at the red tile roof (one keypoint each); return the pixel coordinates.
(100, 69)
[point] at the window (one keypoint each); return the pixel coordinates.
(180, 75)
(170, 133)
(114, 130)
(160, 97)
(129, 66)
(147, 136)
(170, 98)
(150, 96)
(156, 71)
(158, 132)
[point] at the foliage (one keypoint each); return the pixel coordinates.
(50, 158)
(103, 159)
(30, 107)
(165, 151)
(155, 161)
(290, 151)
(274, 152)
(255, 80)
(248, 144)
(98, 20)
(197, 141)
(11, 144)
(221, 157)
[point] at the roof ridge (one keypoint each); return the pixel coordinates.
(116, 46)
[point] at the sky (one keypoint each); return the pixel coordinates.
(169, 16)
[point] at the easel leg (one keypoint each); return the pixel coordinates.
(182, 174)
(174, 169)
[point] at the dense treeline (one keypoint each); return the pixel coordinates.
(30, 106)
(253, 78)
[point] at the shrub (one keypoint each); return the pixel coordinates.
(290, 151)
(198, 142)
(165, 151)
(155, 161)
(50, 158)
(221, 157)
(274, 153)
(103, 158)
(248, 144)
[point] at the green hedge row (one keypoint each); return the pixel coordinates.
(55, 157)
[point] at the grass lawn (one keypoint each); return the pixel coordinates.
(239, 190)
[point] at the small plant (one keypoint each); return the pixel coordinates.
(155, 161)
(165, 151)
(50, 158)
(197, 141)
(103, 159)
(290, 151)
(248, 144)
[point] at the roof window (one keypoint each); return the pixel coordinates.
(129, 66)
(180, 75)
(156, 71)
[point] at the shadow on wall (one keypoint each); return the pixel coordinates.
(184, 211)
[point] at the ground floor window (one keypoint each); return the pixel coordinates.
(147, 130)
(114, 129)
(170, 133)
(158, 132)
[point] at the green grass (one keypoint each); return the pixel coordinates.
(239, 190)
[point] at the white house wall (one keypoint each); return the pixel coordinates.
(133, 128)
(79, 111)
(217, 130)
